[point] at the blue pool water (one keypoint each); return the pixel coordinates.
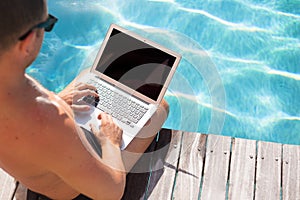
(240, 72)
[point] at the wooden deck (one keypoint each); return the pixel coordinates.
(188, 166)
(211, 167)
(7, 186)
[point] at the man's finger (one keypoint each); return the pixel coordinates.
(80, 108)
(87, 92)
(103, 118)
(84, 86)
(93, 128)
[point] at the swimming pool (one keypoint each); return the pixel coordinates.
(240, 72)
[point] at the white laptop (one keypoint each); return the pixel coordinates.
(131, 75)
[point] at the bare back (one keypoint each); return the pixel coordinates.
(33, 128)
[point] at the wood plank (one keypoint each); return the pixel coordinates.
(164, 171)
(268, 176)
(291, 172)
(190, 166)
(216, 167)
(242, 169)
(7, 185)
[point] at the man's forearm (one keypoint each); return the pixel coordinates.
(111, 156)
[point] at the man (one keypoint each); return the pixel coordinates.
(40, 144)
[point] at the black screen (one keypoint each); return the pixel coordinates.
(135, 64)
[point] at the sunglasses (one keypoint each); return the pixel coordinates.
(47, 25)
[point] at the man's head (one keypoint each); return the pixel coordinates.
(17, 17)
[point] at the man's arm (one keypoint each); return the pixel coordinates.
(64, 150)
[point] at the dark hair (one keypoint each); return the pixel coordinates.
(17, 17)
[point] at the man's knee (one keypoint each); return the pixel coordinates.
(165, 106)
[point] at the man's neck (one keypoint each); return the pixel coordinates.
(12, 76)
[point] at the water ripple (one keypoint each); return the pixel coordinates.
(269, 10)
(235, 26)
(284, 74)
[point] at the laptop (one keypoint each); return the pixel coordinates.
(131, 74)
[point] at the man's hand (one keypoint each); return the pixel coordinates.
(109, 131)
(110, 137)
(74, 92)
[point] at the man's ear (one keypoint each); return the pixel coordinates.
(27, 45)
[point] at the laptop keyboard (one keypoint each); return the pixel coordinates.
(119, 106)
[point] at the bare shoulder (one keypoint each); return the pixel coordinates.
(50, 127)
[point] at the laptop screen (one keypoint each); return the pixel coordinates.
(136, 64)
